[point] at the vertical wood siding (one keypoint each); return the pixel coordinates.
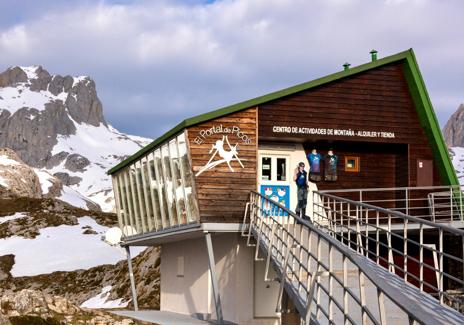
(222, 194)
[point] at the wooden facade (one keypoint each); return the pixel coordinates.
(376, 100)
(222, 194)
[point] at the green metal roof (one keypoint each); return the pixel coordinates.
(417, 89)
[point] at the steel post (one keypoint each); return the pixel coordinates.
(132, 279)
(214, 281)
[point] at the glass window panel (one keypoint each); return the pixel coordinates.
(122, 204)
(128, 198)
(168, 185)
(162, 188)
(140, 195)
(150, 219)
(135, 201)
(266, 168)
(281, 169)
(158, 190)
(155, 191)
(123, 198)
(188, 180)
(117, 201)
(177, 181)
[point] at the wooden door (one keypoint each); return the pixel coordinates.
(424, 172)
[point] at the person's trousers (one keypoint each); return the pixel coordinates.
(302, 201)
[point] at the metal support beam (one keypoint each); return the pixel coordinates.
(214, 281)
(132, 279)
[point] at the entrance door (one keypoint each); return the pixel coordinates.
(274, 177)
(424, 172)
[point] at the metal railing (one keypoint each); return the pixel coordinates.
(329, 282)
(426, 254)
(435, 203)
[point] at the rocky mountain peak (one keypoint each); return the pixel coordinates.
(56, 125)
(77, 94)
(36, 107)
(454, 128)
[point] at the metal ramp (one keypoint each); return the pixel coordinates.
(328, 281)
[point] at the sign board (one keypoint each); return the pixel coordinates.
(226, 149)
(280, 129)
(277, 193)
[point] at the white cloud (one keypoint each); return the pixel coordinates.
(15, 41)
(174, 60)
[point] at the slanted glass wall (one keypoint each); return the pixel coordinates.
(156, 192)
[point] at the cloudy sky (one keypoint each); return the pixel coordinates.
(158, 62)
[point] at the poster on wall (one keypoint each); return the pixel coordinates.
(277, 193)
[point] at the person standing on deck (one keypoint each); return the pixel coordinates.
(301, 179)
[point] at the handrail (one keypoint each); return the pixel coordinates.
(357, 225)
(292, 254)
(394, 213)
(443, 203)
(377, 189)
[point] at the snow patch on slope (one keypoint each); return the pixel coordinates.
(20, 96)
(104, 147)
(17, 215)
(45, 180)
(78, 79)
(457, 156)
(7, 161)
(104, 199)
(31, 71)
(73, 197)
(62, 248)
(101, 300)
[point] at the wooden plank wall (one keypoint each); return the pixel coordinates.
(222, 194)
(382, 165)
(377, 99)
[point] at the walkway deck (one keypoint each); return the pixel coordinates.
(161, 317)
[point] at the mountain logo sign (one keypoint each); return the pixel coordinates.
(221, 155)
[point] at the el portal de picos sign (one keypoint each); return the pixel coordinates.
(225, 149)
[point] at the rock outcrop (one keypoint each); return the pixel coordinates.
(454, 129)
(16, 178)
(43, 213)
(78, 286)
(12, 76)
(6, 264)
(34, 307)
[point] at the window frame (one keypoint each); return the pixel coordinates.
(274, 158)
(356, 168)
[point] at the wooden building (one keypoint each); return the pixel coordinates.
(194, 180)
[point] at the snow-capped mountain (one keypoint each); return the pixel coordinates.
(55, 145)
(454, 137)
(56, 125)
